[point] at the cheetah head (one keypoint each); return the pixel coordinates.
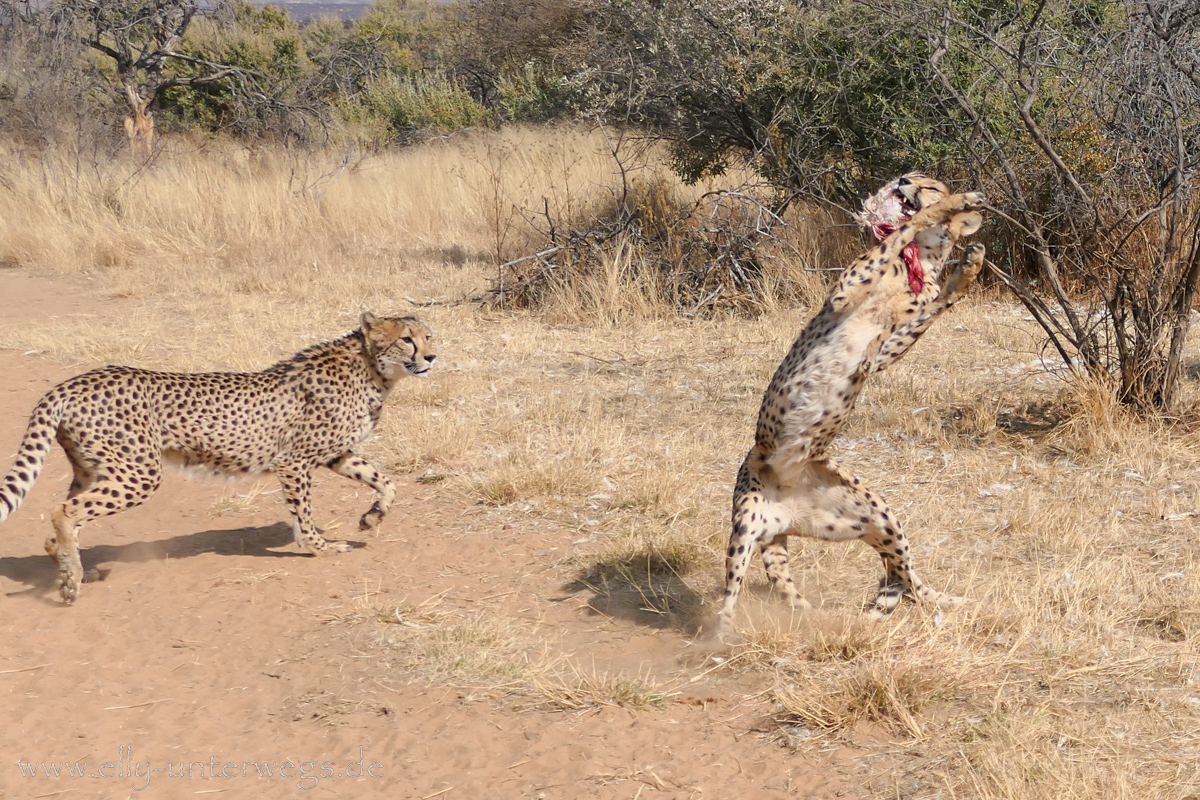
(896, 202)
(398, 345)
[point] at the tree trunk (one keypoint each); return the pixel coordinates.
(139, 125)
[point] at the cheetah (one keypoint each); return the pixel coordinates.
(117, 423)
(881, 305)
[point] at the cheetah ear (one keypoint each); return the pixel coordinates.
(373, 333)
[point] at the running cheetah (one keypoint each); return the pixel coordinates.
(116, 424)
(882, 303)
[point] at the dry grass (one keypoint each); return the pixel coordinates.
(493, 656)
(1073, 673)
(576, 689)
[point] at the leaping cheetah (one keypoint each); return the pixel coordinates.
(117, 423)
(882, 303)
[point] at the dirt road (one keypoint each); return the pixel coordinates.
(214, 657)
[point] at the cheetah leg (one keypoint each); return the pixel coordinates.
(775, 559)
(956, 278)
(83, 479)
(844, 509)
(297, 493)
(92, 496)
(355, 467)
(63, 547)
(900, 579)
(758, 523)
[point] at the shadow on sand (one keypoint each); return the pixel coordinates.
(646, 588)
(650, 590)
(38, 569)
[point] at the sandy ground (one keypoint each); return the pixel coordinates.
(210, 652)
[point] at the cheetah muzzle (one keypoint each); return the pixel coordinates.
(881, 305)
(116, 424)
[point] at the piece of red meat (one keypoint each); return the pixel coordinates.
(916, 273)
(911, 255)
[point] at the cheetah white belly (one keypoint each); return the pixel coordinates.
(807, 505)
(822, 394)
(191, 468)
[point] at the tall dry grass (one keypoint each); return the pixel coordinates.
(240, 220)
(1073, 673)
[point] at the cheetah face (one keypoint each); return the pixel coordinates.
(919, 191)
(896, 202)
(400, 345)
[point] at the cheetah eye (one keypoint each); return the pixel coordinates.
(407, 340)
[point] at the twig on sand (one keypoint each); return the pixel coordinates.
(139, 705)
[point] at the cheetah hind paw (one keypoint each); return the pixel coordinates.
(724, 632)
(944, 600)
(327, 547)
(972, 261)
(891, 593)
(372, 518)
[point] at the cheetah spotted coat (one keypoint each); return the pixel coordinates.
(116, 424)
(787, 484)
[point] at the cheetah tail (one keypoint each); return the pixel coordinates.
(39, 436)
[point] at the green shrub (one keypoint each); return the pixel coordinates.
(429, 102)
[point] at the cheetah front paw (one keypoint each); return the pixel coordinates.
(320, 546)
(972, 200)
(940, 599)
(725, 631)
(68, 586)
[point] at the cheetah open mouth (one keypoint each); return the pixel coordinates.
(886, 211)
(911, 252)
(909, 205)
